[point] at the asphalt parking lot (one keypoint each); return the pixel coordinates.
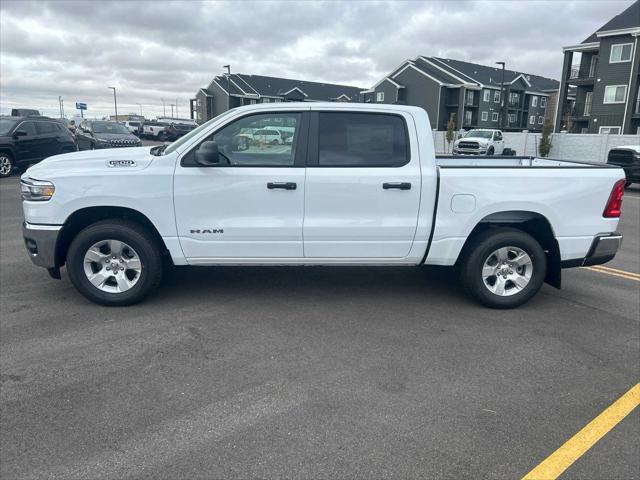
(312, 372)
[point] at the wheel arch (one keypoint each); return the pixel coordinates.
(84, 217)
(533, 223)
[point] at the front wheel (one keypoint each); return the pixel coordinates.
(114, 263)
(504, 268)
(490, 152)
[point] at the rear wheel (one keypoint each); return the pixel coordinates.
(114, 262)
(504, 268)
(6, 164)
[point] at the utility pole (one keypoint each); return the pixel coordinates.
(501, 96)
(140, 105)
(228, 67)
(172, 105)
(115, 101)
(177, 116)
(60, 104)
(164, 108)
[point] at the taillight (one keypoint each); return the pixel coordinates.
(614, 205)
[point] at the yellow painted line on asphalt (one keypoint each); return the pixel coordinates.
(556, 463)
(616, 270)
(615, 274)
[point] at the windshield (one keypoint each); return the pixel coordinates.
(134, 124)
(6, 125)
(479, 133)
(109, 127)
(194, 133)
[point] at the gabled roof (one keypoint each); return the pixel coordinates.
(492, 76)
(259, 85)
(629, 19)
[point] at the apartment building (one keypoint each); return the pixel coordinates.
(472, 92)
(604, 70)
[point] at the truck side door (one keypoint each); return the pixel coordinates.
(498, 142)
(363, 186)
(251, 205)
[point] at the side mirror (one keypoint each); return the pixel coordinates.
(19, 133)
(207, 155)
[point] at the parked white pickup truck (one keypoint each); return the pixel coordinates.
(480, 141)
(358, 185)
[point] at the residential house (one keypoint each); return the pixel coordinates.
(472, 92)
(230, 91)
(605, 74)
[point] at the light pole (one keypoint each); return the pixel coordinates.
(228, 67)
(172, 104)
(164, 108)
(501, 96)
(140, 105)
(177, 116)
(115, 101)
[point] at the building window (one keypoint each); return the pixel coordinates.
(468, 117)
(540, 120)
(379, 96)
(496, 96)
(512, 118)
(485, 116)
(610, 130)
(543, 102)
(532, 119)
(469, 100)
(534, 101)
(615, 94)
(514, 98)
(620, 53)
(494, 117)
(486, 95)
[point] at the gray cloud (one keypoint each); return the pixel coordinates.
(154, 50)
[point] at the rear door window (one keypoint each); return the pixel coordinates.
(46, 127)
(361, 140)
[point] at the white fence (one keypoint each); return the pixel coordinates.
(564, 146)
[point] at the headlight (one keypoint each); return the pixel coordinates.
(36, 190)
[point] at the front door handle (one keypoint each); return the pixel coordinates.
(282, 185)
(398, 185)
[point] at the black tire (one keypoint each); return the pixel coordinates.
(481, 249)
(92, 146)
(490, 151)
(627, 184)
(7, 164)
(132, 234)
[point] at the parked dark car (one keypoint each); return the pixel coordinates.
(24, 112)
(177, 130)
(92, 134)
(27, 140)
(627, 157)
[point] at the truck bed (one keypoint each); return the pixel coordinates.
(464, 161)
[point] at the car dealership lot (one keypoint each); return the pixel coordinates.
(312, 372)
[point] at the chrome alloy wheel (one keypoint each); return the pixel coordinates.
(5, 165)
(507, 271)
(112, 266)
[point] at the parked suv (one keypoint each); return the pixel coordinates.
(26, 140)
(94, 134)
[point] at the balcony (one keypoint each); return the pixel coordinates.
(583, 74)
(581, 111)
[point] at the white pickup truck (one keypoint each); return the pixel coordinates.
(358, 185)
(480, 141)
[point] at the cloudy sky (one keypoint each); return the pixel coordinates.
(158, 49)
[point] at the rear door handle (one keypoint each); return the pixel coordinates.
(282, 185)
(398, 185)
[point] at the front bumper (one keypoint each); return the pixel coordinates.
(603, 249)
(40, 242)
(468, 151)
